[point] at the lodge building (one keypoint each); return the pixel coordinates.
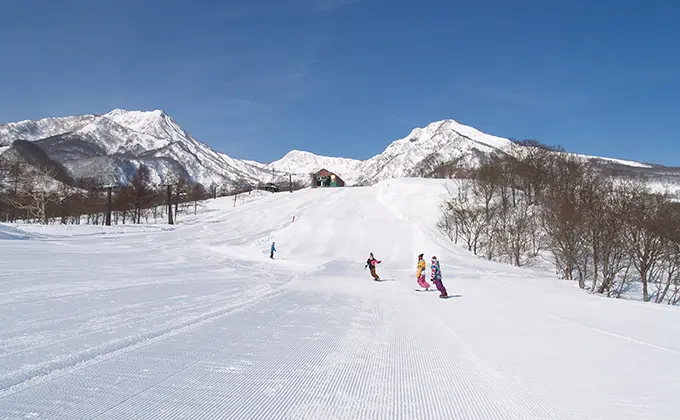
(326, 178)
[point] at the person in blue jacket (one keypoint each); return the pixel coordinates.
(272, 250)
(437, 277)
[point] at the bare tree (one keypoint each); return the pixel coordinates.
(467, 217)
(485, 193)
(36, 191)
(644, 239)
(670, 274)
(612, 258)
(198, 193)
(13, 171)
(538, 198)
(213, 190)
(140, 193)
(668, 227)
(519, 231)
(564, 217)
(241, 185)
(534, 167)
(447, 222)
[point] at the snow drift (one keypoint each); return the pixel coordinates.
(11, 233)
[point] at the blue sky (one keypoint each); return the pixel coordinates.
(256, 78)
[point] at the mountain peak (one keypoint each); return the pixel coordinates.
(159, 113)
(117, 111)
(301, 154)
(444, 129)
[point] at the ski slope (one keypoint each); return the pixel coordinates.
(194, 321)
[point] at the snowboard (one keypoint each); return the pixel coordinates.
(423, 290)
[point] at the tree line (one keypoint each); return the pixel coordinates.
(607, 233)
(30, 193)
(36, 192)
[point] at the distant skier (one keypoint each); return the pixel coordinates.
(272, 250)
(437, 277)
(371, 262)
(420, 273)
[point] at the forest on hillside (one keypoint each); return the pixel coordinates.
(607, 233)
(38, 192)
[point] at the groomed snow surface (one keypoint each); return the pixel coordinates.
(195, 321)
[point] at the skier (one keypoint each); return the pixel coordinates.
(371, 262)
(420, 273)
(437, 277)
(272, 250)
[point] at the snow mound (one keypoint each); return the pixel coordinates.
(12, 233)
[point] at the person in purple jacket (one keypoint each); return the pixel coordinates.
(437, 277)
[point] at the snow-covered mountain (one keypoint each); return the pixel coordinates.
(448, 140)
(444, 141)
(303, 163)
(114, 145)
(36, 130)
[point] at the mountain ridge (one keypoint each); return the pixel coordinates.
(114, 145)
(120, 141)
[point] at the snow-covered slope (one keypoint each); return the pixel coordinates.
(195, 321)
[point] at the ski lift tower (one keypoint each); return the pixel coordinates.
(109, 206)
(169, 186)
(107, 183)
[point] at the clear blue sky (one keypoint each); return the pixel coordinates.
(256, 78)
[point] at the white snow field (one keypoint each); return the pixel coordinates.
(195, 321)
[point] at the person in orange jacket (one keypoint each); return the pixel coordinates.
(421, 267)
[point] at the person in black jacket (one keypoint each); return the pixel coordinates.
(371, 262)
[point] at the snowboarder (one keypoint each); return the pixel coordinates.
(371, 262)
(272, 250)
(420, 273)
(437, 277)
